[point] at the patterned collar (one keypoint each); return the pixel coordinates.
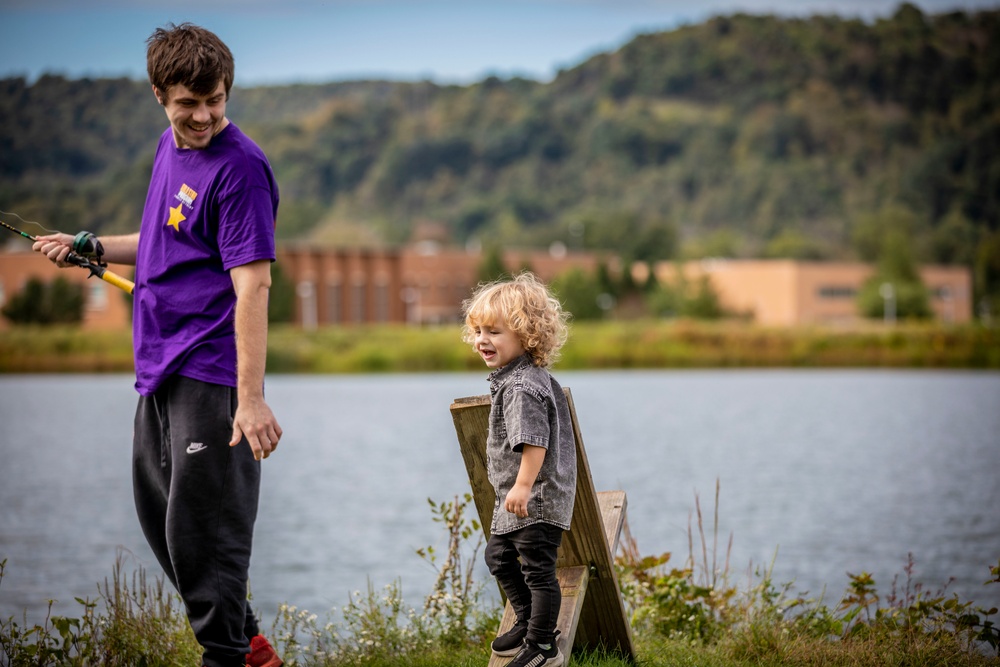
(498, 376)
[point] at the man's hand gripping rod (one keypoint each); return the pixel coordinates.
(85, 241)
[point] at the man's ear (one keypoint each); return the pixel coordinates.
(160, 97)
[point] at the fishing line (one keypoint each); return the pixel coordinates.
(31, 222)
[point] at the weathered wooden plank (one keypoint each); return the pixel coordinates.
(472, 422)
(573, 584)
(613, 505)
(603, 620)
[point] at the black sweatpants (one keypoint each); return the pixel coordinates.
(524, 563)
(197, 502)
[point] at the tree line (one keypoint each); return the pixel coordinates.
(744, 136)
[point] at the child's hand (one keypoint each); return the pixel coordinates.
(517, 500)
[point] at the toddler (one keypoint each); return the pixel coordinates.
(517, 327)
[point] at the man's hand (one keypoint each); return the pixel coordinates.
(54, 246)
(255, 421)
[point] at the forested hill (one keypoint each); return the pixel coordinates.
(740, 136)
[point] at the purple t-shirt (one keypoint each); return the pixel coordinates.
(207, 211)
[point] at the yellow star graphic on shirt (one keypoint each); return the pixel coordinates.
(176, 217)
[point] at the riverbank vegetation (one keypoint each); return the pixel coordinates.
(691, 614)
(606, 344)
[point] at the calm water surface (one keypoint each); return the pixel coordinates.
(824, 472)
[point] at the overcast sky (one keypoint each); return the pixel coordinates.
(447, 41)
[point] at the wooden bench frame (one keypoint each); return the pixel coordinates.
(593, 613)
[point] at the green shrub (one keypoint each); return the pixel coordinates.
(142, 625)
(56, 302)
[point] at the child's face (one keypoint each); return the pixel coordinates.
(497, 345)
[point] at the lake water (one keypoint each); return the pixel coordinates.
(833, 471)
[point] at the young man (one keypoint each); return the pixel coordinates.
(202, 258)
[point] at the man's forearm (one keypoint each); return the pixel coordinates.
(252, 285)
(251, 346)
(120, 249)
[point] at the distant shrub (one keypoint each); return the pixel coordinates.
(56, 302)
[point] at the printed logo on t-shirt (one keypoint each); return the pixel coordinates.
(176, 217)
(186, 195)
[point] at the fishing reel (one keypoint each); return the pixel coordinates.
(88, 245)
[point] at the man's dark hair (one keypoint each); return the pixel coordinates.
(191, 56)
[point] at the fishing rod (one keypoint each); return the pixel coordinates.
(86, 243)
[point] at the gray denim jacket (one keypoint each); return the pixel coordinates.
(529, 407)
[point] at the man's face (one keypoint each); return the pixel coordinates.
(194, 118)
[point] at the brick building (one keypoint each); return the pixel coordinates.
(426, 283)
(421, 284)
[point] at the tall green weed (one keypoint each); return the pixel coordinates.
(378, 628)
(696, 604)
(142, 625)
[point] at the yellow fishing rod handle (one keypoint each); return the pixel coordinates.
(118, 281)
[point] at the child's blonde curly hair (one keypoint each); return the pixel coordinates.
(525, 305)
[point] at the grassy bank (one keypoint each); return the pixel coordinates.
(689, 615)
(636, 344)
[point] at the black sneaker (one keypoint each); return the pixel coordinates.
(531, 655)
(510, 642)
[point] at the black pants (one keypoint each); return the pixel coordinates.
(524, 563)
(197, 502)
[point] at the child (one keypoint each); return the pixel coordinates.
(517, 327)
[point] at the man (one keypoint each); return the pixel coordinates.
(202, 259)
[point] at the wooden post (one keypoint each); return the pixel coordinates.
(593, 612)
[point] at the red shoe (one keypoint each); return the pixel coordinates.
(262, 654)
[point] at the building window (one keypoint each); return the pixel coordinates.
(942, 292)
(381, 302)
(306, 292)
(411, 297)
(333, 302)
(836, 292)
(358, 302)
(98, 298)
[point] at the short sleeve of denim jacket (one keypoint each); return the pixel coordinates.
(526, 417)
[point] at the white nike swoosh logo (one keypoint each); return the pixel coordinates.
(196, 447)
